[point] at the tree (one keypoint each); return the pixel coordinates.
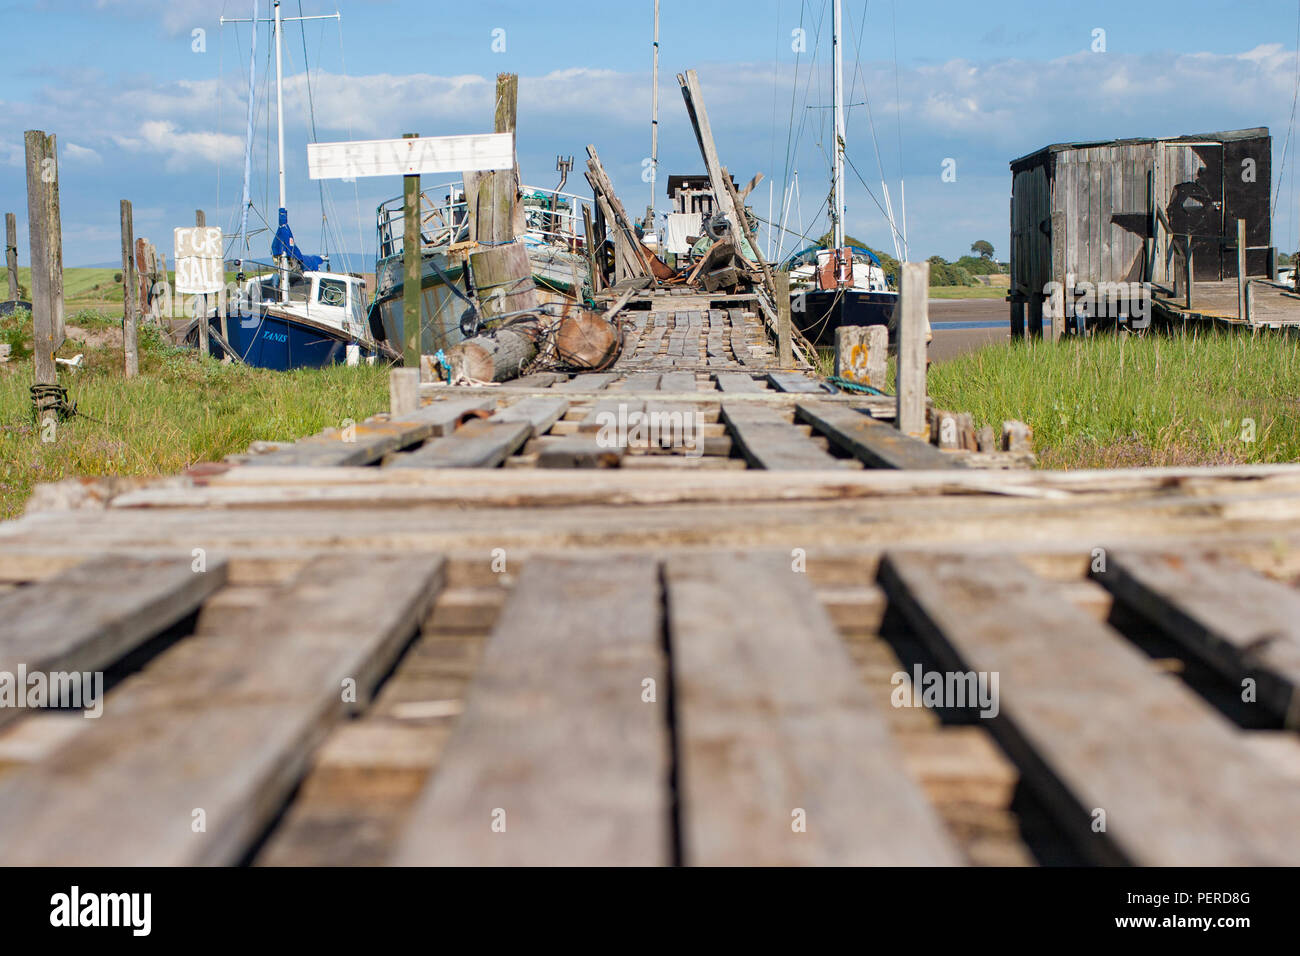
(982, 248)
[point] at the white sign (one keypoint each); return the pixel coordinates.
(409, 157)
(200, 269)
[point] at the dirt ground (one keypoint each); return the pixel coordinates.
(951, 342)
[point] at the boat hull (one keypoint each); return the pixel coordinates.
(281, 343)
(819, 313)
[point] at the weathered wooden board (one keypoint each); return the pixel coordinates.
(476, 444)
(677, 382)
(738, 382)
(875, 443)
(784, 758)
(194, 757)
(562, 755)
(579, 451)
(539, 411)
(371, 441)
(768, 441)
(1093, 725)
(792, 382)
(586, 382)
(1241, 623)
(88, 617)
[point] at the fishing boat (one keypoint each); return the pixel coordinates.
(840, 284)
(299, 313)
(553, 238)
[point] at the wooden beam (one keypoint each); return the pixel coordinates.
(89, 617)
(580, 776)
(784, 758)
(130, 291)
(192, 762)
(475, 444)
(699, 116)
(913, 306)
(370, 441)
(45, 233)
(874, 443)
(768, 441)
(1243, 313)
(1242, 624)
(1135, 766)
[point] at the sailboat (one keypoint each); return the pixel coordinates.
(838, 285)
(299, 313)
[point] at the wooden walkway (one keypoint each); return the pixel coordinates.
(456, 637)
(1272, 305)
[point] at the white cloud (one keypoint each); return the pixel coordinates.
(82, 154)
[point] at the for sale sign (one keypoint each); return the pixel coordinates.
(199, 265)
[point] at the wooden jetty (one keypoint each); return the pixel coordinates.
(455, 635)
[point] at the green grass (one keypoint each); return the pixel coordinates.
(180, 410)
(1121, 401)
(967, 292)
(92, 287)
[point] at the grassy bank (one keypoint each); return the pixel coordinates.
(1111, 402)
(179, 411)
(967, 292)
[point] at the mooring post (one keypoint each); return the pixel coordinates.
(411, 262)
(11, 254)
(403, 391)
(130, 317)
(46, 236)
(913, 303)
(781, 283)
(862, 354)
(1243, 314)
(201, 301)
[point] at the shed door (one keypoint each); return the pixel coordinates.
(1189, 184)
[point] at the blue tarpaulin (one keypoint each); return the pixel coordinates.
(283, 245)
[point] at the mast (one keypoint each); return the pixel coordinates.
(279, 109)
(246, 200)
(837, 185)
(654, 121)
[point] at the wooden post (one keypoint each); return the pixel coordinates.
(1059, 267)
(1018, 319)
(1241, 271)
(1187, 269)
(913, 304)
(11, 254)
(46, 235)
(412, 262)
(403, 391)
(130, 315)
(201, 301)
(862, 354)
(785, 355)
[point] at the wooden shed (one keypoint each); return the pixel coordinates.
(1125, 211)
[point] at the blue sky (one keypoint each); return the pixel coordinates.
(141, 115)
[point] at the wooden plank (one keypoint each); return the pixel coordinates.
(539, 411)
(92, 615)
(738, 382)
(1093, 725)
(476, 444)
(677, 382)
(774, 728)
(223, 724)
(1239, 622)
(580, 775)
(768, 441)
(874, 443)
(586, 382)
(579, 451)
(643, 382)
(371, 441)
(794, 382)
(609, 412)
